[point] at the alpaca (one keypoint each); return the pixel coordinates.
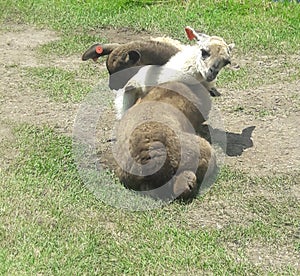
(198, 63)
(157, 150)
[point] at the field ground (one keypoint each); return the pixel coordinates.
(248, 222)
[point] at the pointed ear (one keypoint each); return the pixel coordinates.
(94, 52)
(97, 50)
(134, 56)
(192, 34)
(231, 46)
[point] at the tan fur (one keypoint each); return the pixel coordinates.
(219, 56)
(169, 40)
(201, 62)
(157, 144)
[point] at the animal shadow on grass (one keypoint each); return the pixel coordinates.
(236, 142)
(235, 145)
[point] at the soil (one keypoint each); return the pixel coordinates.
(275, 136)
(122, 35)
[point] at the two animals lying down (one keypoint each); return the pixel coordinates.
(162, 106)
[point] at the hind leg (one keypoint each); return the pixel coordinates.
(207, 166)
(185, 185)
(199, 168)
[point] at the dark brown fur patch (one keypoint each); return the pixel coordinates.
(164, 143)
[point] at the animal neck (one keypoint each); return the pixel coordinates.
(184, 58)
(184, 64)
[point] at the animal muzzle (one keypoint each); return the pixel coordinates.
(211, 75)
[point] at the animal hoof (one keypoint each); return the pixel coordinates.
(214, 92)
(185, 185)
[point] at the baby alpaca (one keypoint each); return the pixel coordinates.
(201, 62)
(157, 149)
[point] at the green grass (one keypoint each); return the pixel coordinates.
(63, 85)
(69, 44)
(254, 26)
(52, 224)
(59, 84)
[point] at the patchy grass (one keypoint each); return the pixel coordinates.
(260, 70)
(59, 84)
(69, 44)
(60, 228)
(62, 85)
(267, 26)
(50, 223)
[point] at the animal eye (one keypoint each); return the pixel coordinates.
(205, 54)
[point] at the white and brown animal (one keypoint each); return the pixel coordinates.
(157, 149)
(156, 51)
(201, 62)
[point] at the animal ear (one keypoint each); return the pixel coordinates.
(94, 52)
(231, 46)
(134, 56)
(192, 34)
(97, 50)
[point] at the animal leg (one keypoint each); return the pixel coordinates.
(214, 92)
(125, 98)
(185, 185)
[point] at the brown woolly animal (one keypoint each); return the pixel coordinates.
(157, 149)
(156, 51)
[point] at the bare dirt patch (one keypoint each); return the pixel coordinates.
(18, 45)
(272, 256)
(19, 103)
(121, 35)
(274, 111)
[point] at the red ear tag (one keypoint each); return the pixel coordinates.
(189, 33)
(99, 50)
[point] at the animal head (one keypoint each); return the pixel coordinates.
(119, 57)
(215, 53)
